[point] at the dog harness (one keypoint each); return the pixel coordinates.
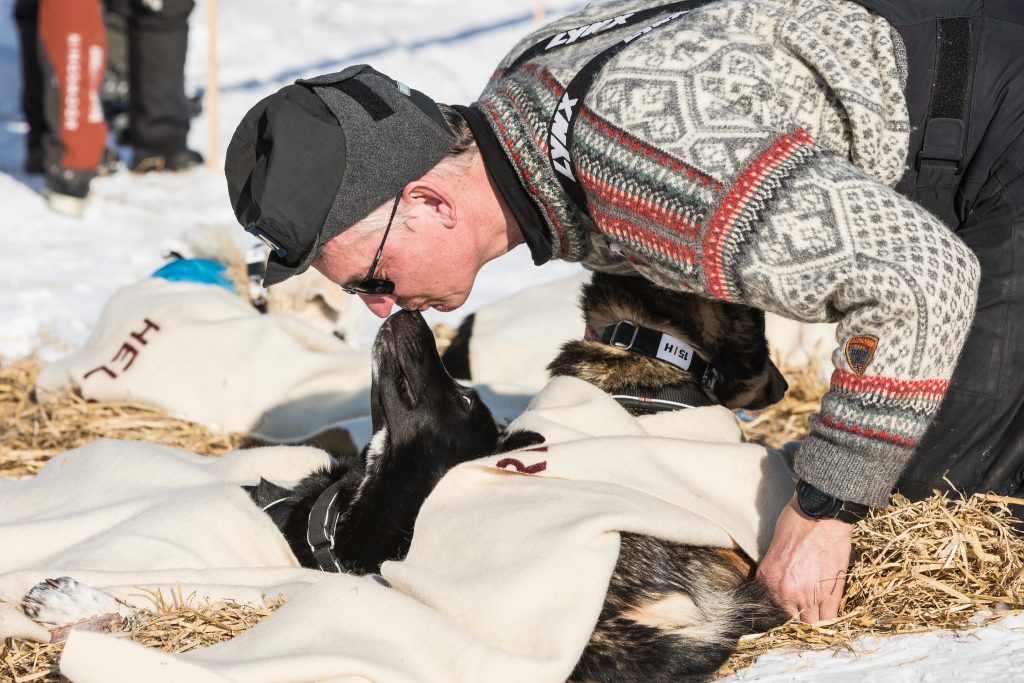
(320, 526)
(676, 397)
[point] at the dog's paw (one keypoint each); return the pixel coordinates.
(64, 602)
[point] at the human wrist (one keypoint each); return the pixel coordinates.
(816, 504)
(855, 469)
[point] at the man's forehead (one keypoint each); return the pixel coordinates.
(342, 257)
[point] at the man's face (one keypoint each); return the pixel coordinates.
(432, 266)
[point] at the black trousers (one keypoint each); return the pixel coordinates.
(158, 110)
(26, 16)
(976, 441)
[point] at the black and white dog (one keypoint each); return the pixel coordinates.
(672, 612)
(424, 423)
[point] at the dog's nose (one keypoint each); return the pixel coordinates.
(776, 388)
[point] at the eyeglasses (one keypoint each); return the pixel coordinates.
(371, 284)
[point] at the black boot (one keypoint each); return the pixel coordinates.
(145, 161)
(66, 191)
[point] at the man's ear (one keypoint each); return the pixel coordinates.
(429, 197)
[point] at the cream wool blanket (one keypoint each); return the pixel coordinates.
(514, 339)
(201, 353)
(124, 516)
(508, 569)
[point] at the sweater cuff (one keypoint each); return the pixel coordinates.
(866, 432)
(851, 467)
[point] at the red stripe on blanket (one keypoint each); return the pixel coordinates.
(931, 389)
(614, 226)
(870, 433)
(641, 207)
(736, 199)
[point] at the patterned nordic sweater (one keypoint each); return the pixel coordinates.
(747, 151)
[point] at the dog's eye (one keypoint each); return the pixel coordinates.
(468, 400)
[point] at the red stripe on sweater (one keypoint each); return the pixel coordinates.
(615, 226)
(641, 207)
(736, 199)
(530, 187)
(870, 433)
(624, 139)
(931, 389)
(546, 78)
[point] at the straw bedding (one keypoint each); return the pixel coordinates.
(177, 626)
(32, 433)
(934, 564)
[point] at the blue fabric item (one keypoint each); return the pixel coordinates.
(204, 270)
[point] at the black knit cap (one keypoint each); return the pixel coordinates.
(319, 155)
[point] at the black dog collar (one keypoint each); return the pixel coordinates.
(323, 520)
(629, 336)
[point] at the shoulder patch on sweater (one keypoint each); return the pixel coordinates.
(859, 351)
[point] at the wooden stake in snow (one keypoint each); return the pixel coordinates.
(210, 105)
(538, 13)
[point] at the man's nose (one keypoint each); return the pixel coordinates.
(379, 304)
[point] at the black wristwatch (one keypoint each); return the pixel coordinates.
(820, 505)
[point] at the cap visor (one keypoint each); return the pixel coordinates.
(278, 272)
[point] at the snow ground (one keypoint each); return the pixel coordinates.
(993, 653)
(56, 273)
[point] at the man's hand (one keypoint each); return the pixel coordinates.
(805, 566)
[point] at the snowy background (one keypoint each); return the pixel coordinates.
(56, 273)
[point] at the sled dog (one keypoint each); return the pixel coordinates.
(672, 612)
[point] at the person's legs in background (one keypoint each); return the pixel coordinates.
(26, 16)
(73, 61)
(159, 111)
(114, 93)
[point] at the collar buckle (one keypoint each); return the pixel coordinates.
(618, 335)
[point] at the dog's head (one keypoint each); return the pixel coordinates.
(424, 423)
(729, 336)
(415, 404)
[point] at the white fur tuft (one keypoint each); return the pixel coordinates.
(58, 602)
